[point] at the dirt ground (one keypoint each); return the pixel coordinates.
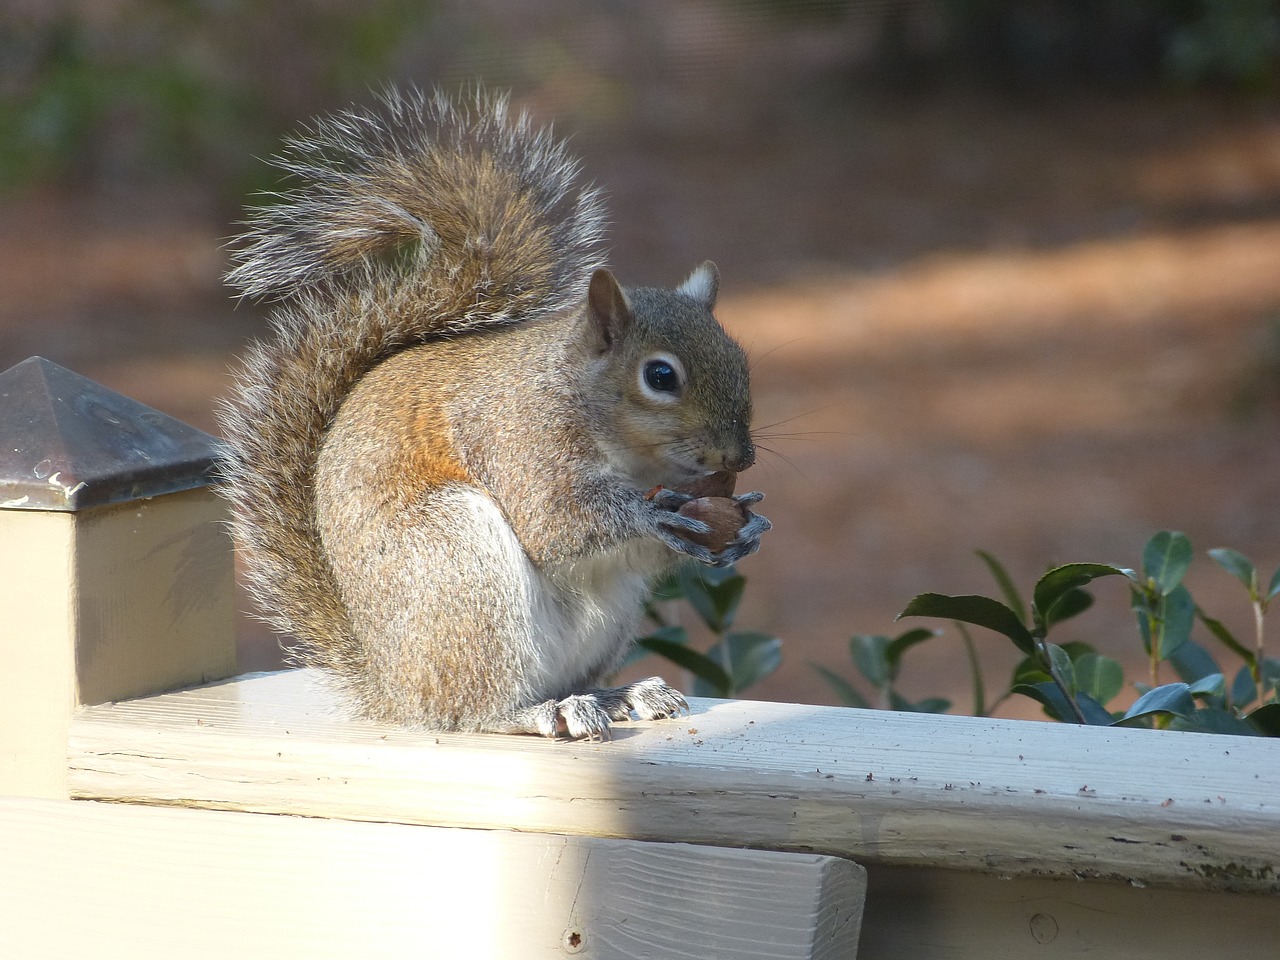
(1042, 329)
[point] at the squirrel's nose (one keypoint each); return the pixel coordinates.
(739, 461)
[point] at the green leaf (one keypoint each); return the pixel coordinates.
(902, 643)
(980, 611)
(726, 596)
(1142, 612)
(1179, 618)
(1243, 688)
(1166, 558)
(754, 656)
(841, 687)
(1192, 662)
(1239, 566)
(869, 657)
(713, 576)
(1059, 582)
(1049, 696)
(713, 594)
(1226, 637)
(1029, 670)
(1274, 587)
(1005, 582)
(642, 649)
(1095, 714)
(708, 674)
(671, 634)
(1070, 604)
(1213, 686)
(1057, 707)
(1101, 677)
(975, 670)
(1174, 698)
(1077, 649)
(1062, 666)
(694, 589)
(1210, 720)
(927, 705)
(1266, 719)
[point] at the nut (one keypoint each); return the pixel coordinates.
(712, 485)
(724, 516)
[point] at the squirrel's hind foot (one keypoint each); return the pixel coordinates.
(578, 717)
(587, 716)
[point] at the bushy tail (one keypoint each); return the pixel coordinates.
(419, 219)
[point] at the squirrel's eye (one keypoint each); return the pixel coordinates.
(661, 376)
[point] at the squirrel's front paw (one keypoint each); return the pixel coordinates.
(747, 539)
(718, 531)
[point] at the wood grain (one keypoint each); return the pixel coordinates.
(150, 882)
(1011, 798)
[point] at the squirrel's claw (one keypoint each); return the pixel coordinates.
(678, 521)
(667, 499)
(747, 541)
(582, 717)
(680, 545)
(673, 528)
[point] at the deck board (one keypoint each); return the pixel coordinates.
(1009, 798)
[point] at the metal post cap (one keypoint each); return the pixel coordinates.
(67, 443)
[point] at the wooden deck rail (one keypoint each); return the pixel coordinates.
(1004, 797)
(253, 818)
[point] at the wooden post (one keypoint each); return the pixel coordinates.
(122, 880)
(115, 571)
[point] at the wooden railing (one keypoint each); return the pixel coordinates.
(250, 817)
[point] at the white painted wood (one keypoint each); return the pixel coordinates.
(37, 652)
(100, 604)
(924, 913)
(97, 880)
(1013, 798)
(154, 593)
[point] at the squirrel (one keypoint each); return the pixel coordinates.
(455, 469)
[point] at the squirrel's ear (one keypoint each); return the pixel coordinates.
(703, 284)
(607, 309)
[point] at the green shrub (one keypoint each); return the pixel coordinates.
(736, 660)
(1072, 681)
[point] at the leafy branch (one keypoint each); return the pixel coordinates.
(1071, 680)
(736, 660)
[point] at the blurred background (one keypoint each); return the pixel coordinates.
(1009, 271)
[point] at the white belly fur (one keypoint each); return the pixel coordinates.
(578, 617)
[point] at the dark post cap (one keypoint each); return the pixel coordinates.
(67, 443)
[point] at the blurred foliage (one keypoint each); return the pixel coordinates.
(138, 90)
(1231, 43)
(144, 90)
(1030, 45)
